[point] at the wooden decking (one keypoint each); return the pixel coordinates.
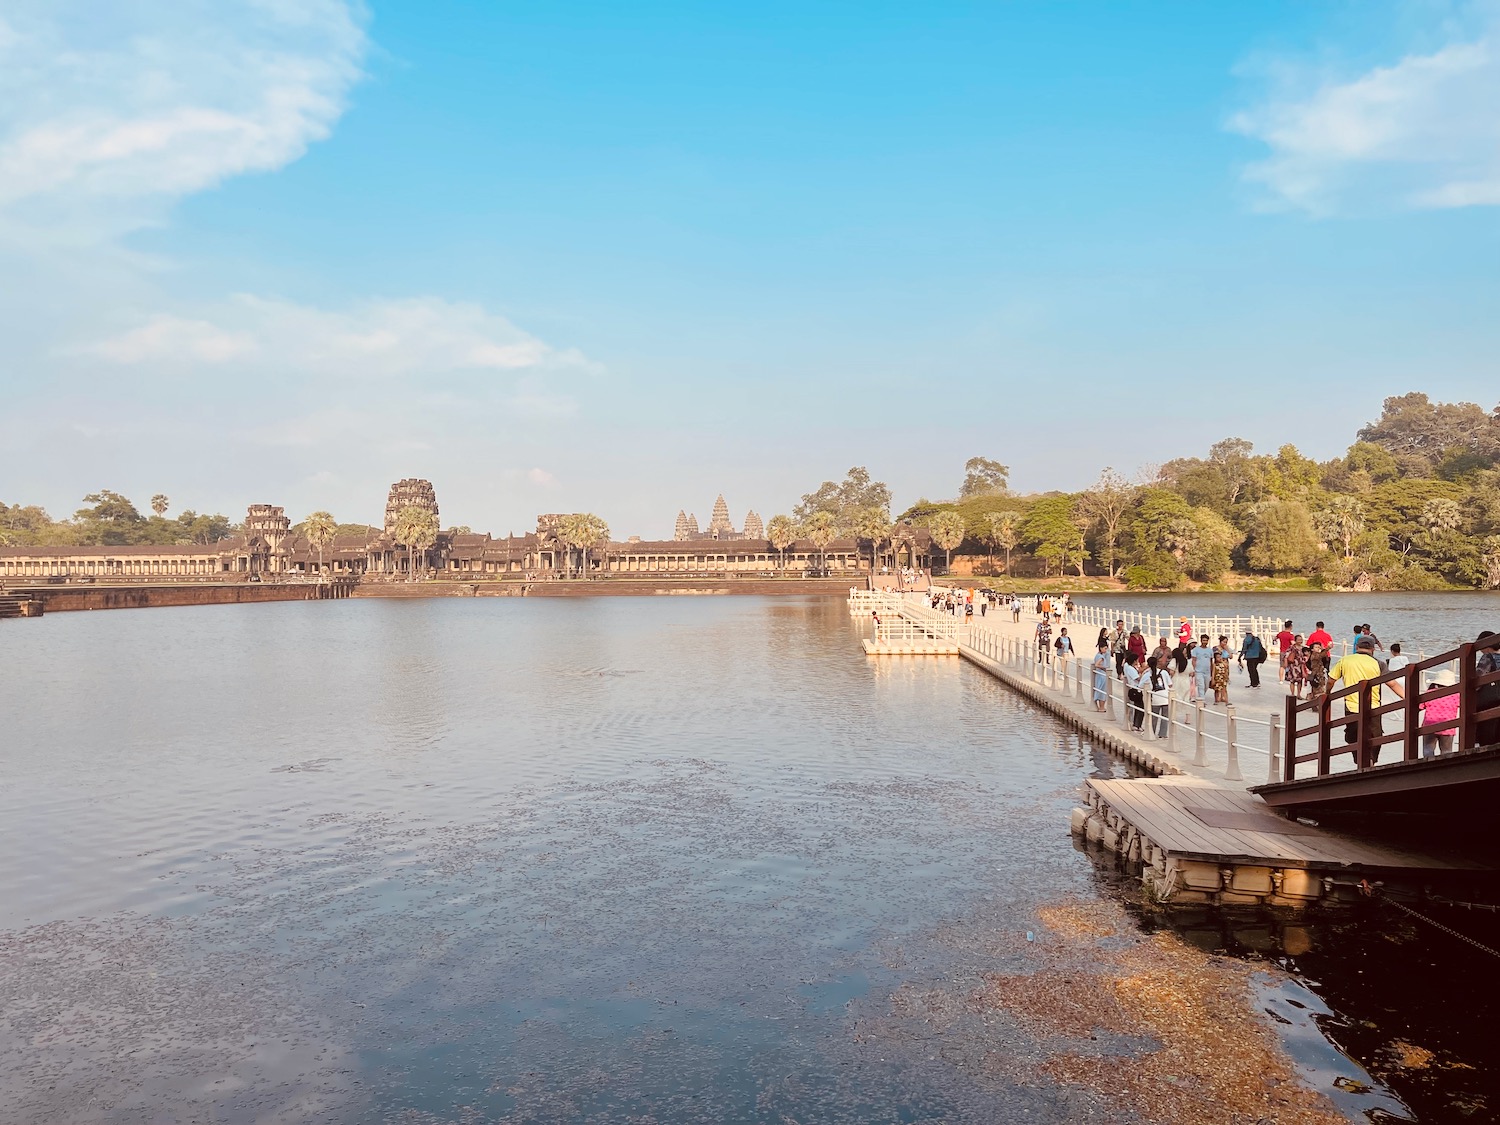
(1198, 820)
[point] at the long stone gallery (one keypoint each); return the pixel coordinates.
(268, 548)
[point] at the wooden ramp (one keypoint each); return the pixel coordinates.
(1199, 820)
(1198, 842)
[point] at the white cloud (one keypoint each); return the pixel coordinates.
(110, 112)
(374, 339)
(1423, 132)
(540, 476)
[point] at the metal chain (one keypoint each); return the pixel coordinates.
(1374, 893)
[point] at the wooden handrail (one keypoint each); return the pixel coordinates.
(1413, 699)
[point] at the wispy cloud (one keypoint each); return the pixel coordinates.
(372, 339)
(1422, 132)
(111, 112)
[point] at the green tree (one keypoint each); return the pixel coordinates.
(1341, 523)
(947, 531)
(821, 530)
(320, 529)
(1282, 537)
(1105, 505)
(983, 477)
(159, 504)
(415, 529)
(1050, 531)
(110, 520)
(781, 532)
(845, 500)
(1418, 432)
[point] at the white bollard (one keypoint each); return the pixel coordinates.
(1275, 771)
(1232, 768)
(1198, 758)
(1172, 722)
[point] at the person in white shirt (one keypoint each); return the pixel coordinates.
(1157, 683)
(1395, 664)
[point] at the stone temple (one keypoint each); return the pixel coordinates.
(409, 493)
(719, 525)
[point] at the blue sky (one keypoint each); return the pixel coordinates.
(623, 257)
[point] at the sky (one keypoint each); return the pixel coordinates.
(621, 258)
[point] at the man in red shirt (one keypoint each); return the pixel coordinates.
(1320, 636)
(1283, 646)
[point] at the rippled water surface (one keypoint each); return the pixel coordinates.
(470, 860)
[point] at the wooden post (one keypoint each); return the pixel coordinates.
(1412, 713)
(1273, 774)
(1078, 682)
(1289, 742)
(1468, 700)
(1109, 696)
(1362, 729)
(1325, 734)
(1172, 721)
(1198, 758)
(1232, 769)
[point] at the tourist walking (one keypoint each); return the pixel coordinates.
(1135, 700)
(1043, 641)
(1284, 642)
(1103, 639)
(1253, 655)
(1440, 710)
(1063, 647)
(1015, 608)
(1118, 647)
(1203, 666)
(1185, 633)
(1294, 669)
(1100, 667)
(1159, 686)
(1218, 671)
(1354, 669)
(1135, 644)
(1321, 636)
(1397, 663)
(1181, 659)
(1316, 660)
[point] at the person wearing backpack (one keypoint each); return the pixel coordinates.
(1158, 687)
(1252, 655)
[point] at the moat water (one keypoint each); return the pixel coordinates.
(611, 859)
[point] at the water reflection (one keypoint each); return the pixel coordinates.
(503, 859)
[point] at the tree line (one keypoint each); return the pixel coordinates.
(1412, 504)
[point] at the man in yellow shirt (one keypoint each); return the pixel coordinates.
(1359, 666)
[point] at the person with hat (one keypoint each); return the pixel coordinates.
(1442, 710)
(1359, 666)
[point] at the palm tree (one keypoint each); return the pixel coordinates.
(588, 532)
(159, 504)
(781, 532)
(872, 524)
(1005, 527)
(416, 529)
(320, 528)
(947, 530)
(820, 530)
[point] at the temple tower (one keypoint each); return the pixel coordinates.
(692, 526)
(409, 493)
(271, 526)
(754, 529)
(719, 526)
(680, 532)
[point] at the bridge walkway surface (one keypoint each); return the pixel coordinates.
(1193, 831)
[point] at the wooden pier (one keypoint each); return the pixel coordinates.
(1193, 832)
